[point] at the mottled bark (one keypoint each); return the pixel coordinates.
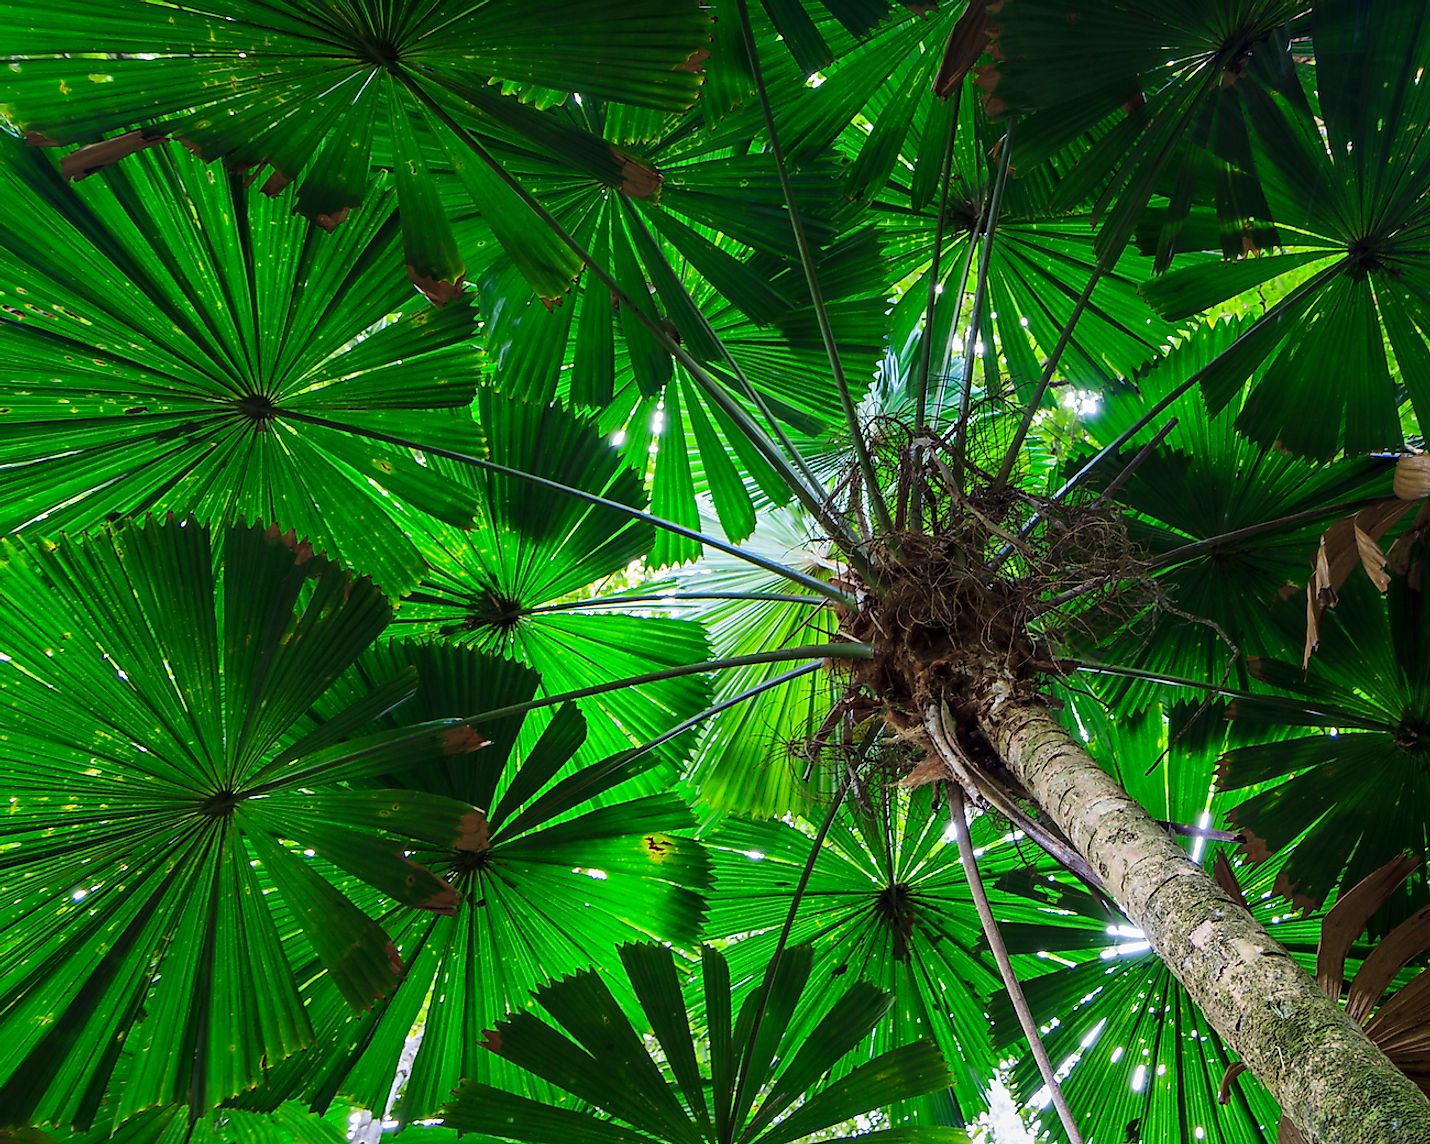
(1329, 1078)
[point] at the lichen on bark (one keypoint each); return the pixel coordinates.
(1336, 1085)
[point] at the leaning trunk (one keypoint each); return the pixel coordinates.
(1328, 1077)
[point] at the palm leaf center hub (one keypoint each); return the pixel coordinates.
(258, 408)
(895, 908)
(221, 803)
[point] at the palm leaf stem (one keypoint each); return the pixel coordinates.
(672, 599)
(814, 583)
(840, 533)
(1212, 543)
(1294, 298)
(1294, 708)
(851, 415)
(815, 502)
(1010, 455)
(725, 704)
(921, 376)
(747, 1059)
(980, 293)
(816, 652)
(958, 816)
(792, 478)
(779, 655)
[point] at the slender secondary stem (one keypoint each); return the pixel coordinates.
(958, 814)
(980, 292)
(1200, 547)
(724, 705)
(621, 601)
(1292, 299)
(779, 655)
(767, 987)
(1010, 457)
(792, 478)
(921, 377)
(807, 581)
(1299, 707)
(806, 257)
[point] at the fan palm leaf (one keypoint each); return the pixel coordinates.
(1355, 200)
(887, 904)
(1350, 791)
(157, 753)
(189, 322)
(720, 282)
(752, 760)
(515, 585)
(1038, 267)
(304, 88)
(1228, 556)
(1170, 89)
(680, 1103)
(563, 837)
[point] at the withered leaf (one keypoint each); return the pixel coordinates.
(1396, 950)
(462, 740)
(1412, 477)
(474, 832)
(85, 161)
(1345, 921)
(965, 44)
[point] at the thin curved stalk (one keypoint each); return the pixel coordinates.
(747, 386)
(921, 377)
(1010, 456)
(1293, 298)
(962, 280)
(716, 708)
(767, 986)
(980, 293)
(1289, 704)
(801, 578)
(1212, 543)
(806, 257)
(620, 601)
(958, 813)
(816, 652)
(792, 478)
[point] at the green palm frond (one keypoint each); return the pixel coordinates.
(1350, 791)
(1349, 344)
(1169, 89)
(160, 760)
(309, 89)
(189, 321)
(887, 904)
(753, 1072)
(515, 584)
(573, 857)
(752, 760)
(1231, 554)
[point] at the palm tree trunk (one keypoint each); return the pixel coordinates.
(1328, 1077)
